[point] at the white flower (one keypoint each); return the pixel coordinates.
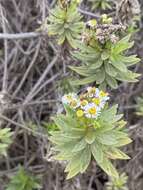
(71, 99)
(83, 103)
(91, 110)
(97, 93)
(91, 102)
(91, 91)
(68, 97)
(103, 98)
(102, 104)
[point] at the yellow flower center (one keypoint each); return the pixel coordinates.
(79, 113)
(103, 94)
(69, 97)
(96, 101)
(84, 102)
(92, 110)
(73, 103)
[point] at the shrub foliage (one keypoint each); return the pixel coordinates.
(103, 56)
(65, 23)
(80, 138)
(23, 181)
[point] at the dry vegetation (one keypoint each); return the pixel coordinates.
(31, 66)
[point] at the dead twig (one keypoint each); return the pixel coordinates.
(20, 35)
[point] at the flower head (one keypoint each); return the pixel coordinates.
(83, 103)
(91, 91)
(71, 99)
(97, 101)
(91, 110)
(104, 96)
(88, 104)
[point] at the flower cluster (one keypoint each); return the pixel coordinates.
(103, 30)
(88, 104)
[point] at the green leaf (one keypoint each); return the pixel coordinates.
(89, 58)
(24, 181)
(60, 141)
(85, 159)
(97, 64)
(74, 162)
(80, 146)
(100, 75)
(130, 60)
(78, 163)
(105, 126)
(103, 86)
(110, 70)
(111, 82)
(107, 139)
(86, 80)
(128, 76)
(97, 152)
(59, 121)
(122, 45)
(109, 115)
(69, 110)
(105, 55)
(82, 70)
(123, 142)
(65, 123)
(61, 39)
(90, 136)
(118, 64)
(103, 162)
(115, 153)
(108, 167)
(70, 39)
(66, 149)
(73, 172)
(5, 140)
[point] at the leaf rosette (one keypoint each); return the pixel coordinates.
(84, 133)
(23, 180)
(103, 56)
(119, 183)
(65, 23)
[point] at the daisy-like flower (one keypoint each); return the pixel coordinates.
(99, 102)
(91, 110)
(96, 101)
(104, 96)
(66, 99)
(88, 104)
(71, 99)
(83, 103)
(91, 91)
(97, 93)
